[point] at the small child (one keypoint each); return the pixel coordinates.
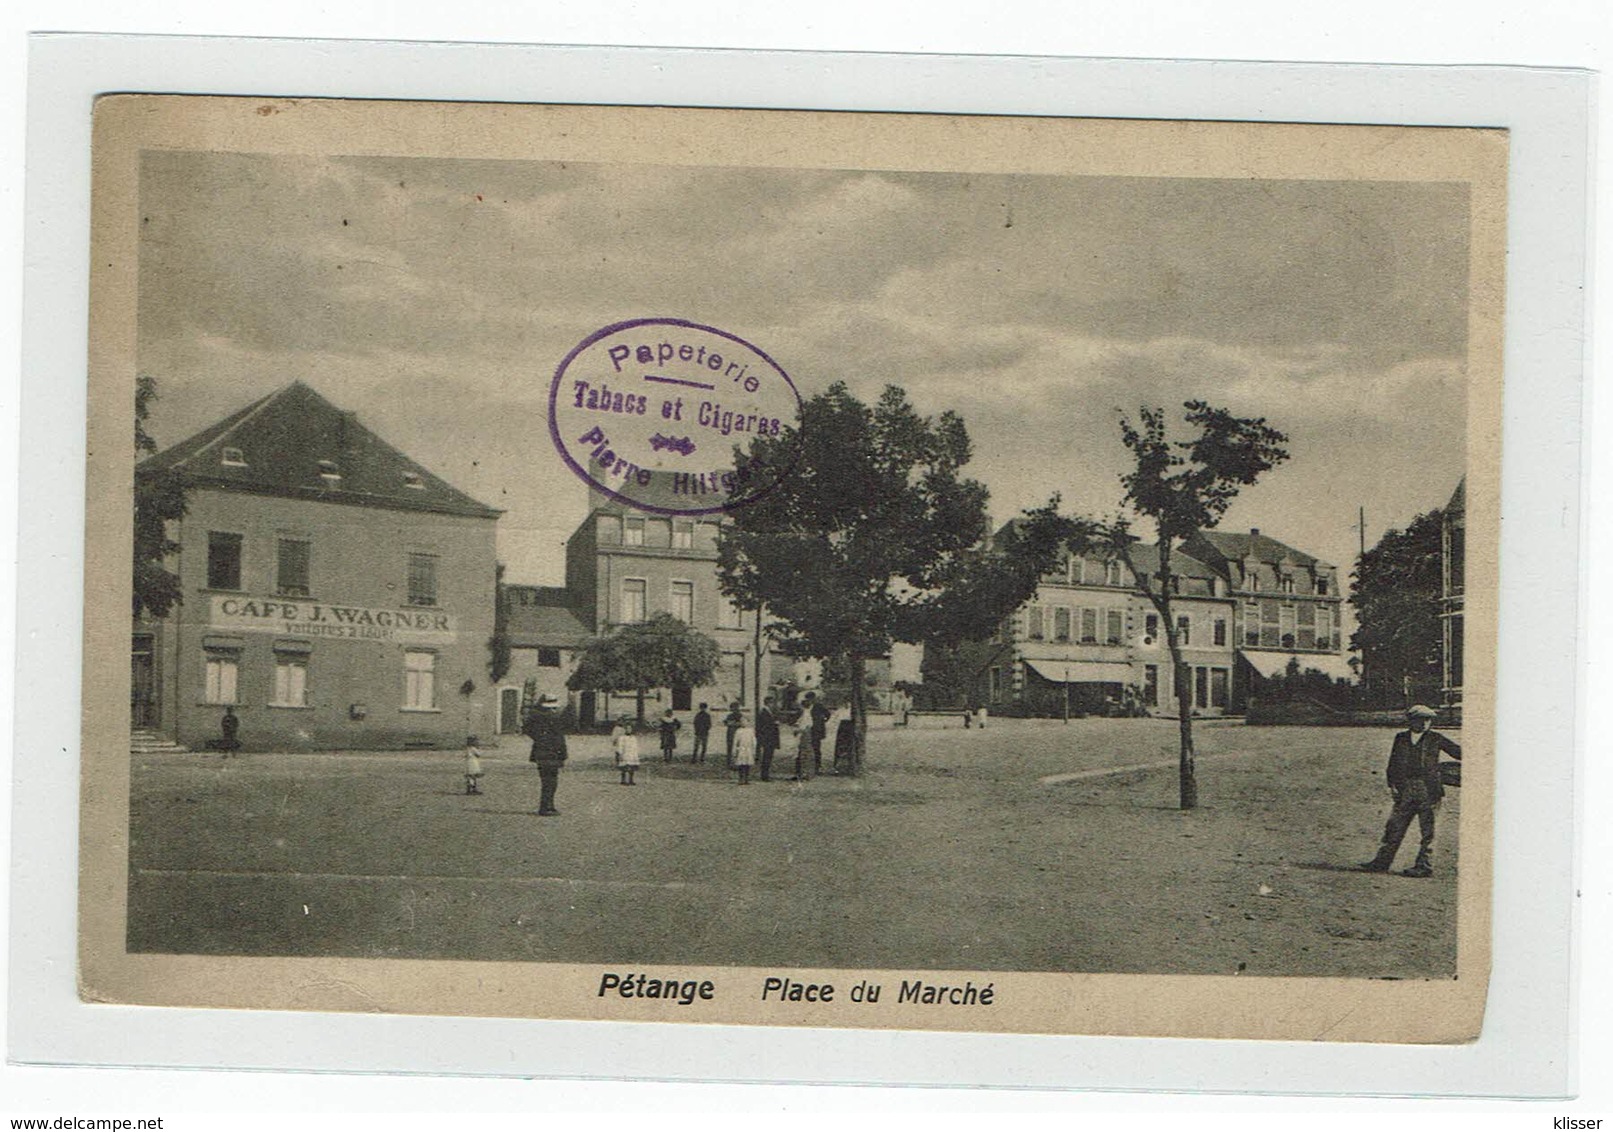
(744, 748)
(473, 766)
(625, 745)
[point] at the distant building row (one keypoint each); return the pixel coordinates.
(337, 594)
(1246, 605)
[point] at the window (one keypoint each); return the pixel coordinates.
(1111, 572)
(1078, 570)
(233, 458)
(1321, 584)
(683, 602)
(728, 614)
(548, 658)
(1324, 628)
(1286, 583)
(1219, 685)
(634, 533)
(414, 480)
(632, 600)
(1286, 625)
(1035, 623)
(290, 680)
(329, 471)
(1268, 625)
(1116, 627)
(1151, 627)
(1251, 624)
(1220, 631)
(1201, 687)
(683, 534)
(223, 561)
(291, 569)
(1061, 624)
(223, 673)
(610, 528)
(1151, 685)
(1184, 630)
(994, 677)
(419, 681)
(1089, 626)
(422, 579)
(1307, 626)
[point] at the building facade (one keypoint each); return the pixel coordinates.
(1091, 641)
(334, 593)
(624, 566)
(1288, 606)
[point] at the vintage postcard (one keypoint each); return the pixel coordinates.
(803, 569)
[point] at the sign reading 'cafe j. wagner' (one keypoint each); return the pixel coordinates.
(292, 618)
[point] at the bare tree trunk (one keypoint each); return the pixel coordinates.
(641, 692)
(1182, 673)
(859, 715)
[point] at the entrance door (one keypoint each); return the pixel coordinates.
(142, 685)
(509, 711)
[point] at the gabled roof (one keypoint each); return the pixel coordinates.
(1235, 547)
(541, 616)
(1146, 557)
(286, 442)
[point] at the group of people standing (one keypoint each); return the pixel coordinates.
(749, 744)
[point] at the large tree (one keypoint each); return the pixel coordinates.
(159, 497)
(662, 652)
(1179, 485)
(1396, 600)
(872, 537)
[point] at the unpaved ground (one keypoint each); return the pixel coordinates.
(1017, 848)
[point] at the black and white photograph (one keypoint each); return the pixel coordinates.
(855, 570)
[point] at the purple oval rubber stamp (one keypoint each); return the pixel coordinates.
(650, 412)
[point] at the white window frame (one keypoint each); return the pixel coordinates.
(632, 531)
(682, 534)
(1184, 630)
(673, 592)
(419, 678)
(289, 691)
(644, 601)
(221, 676)
(1218, 632)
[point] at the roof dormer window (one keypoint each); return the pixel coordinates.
(329, 471)
(414, 480)
(233, 458)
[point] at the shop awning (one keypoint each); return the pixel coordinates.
(1081, 671)
(1276, 663)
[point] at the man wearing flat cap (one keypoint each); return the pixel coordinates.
(1415, 782)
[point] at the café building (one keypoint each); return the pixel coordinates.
(334, 593)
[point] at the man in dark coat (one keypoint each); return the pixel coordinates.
(767, 738)
(702, 734)
(548, 751)
(820, 728)
(1414, 780)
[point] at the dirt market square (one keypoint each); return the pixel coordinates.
(1032, 845)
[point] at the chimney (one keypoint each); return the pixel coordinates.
(1255, 531)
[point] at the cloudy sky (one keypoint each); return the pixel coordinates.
(436, 298)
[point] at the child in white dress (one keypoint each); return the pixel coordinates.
(625, 746)
(473, 766)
